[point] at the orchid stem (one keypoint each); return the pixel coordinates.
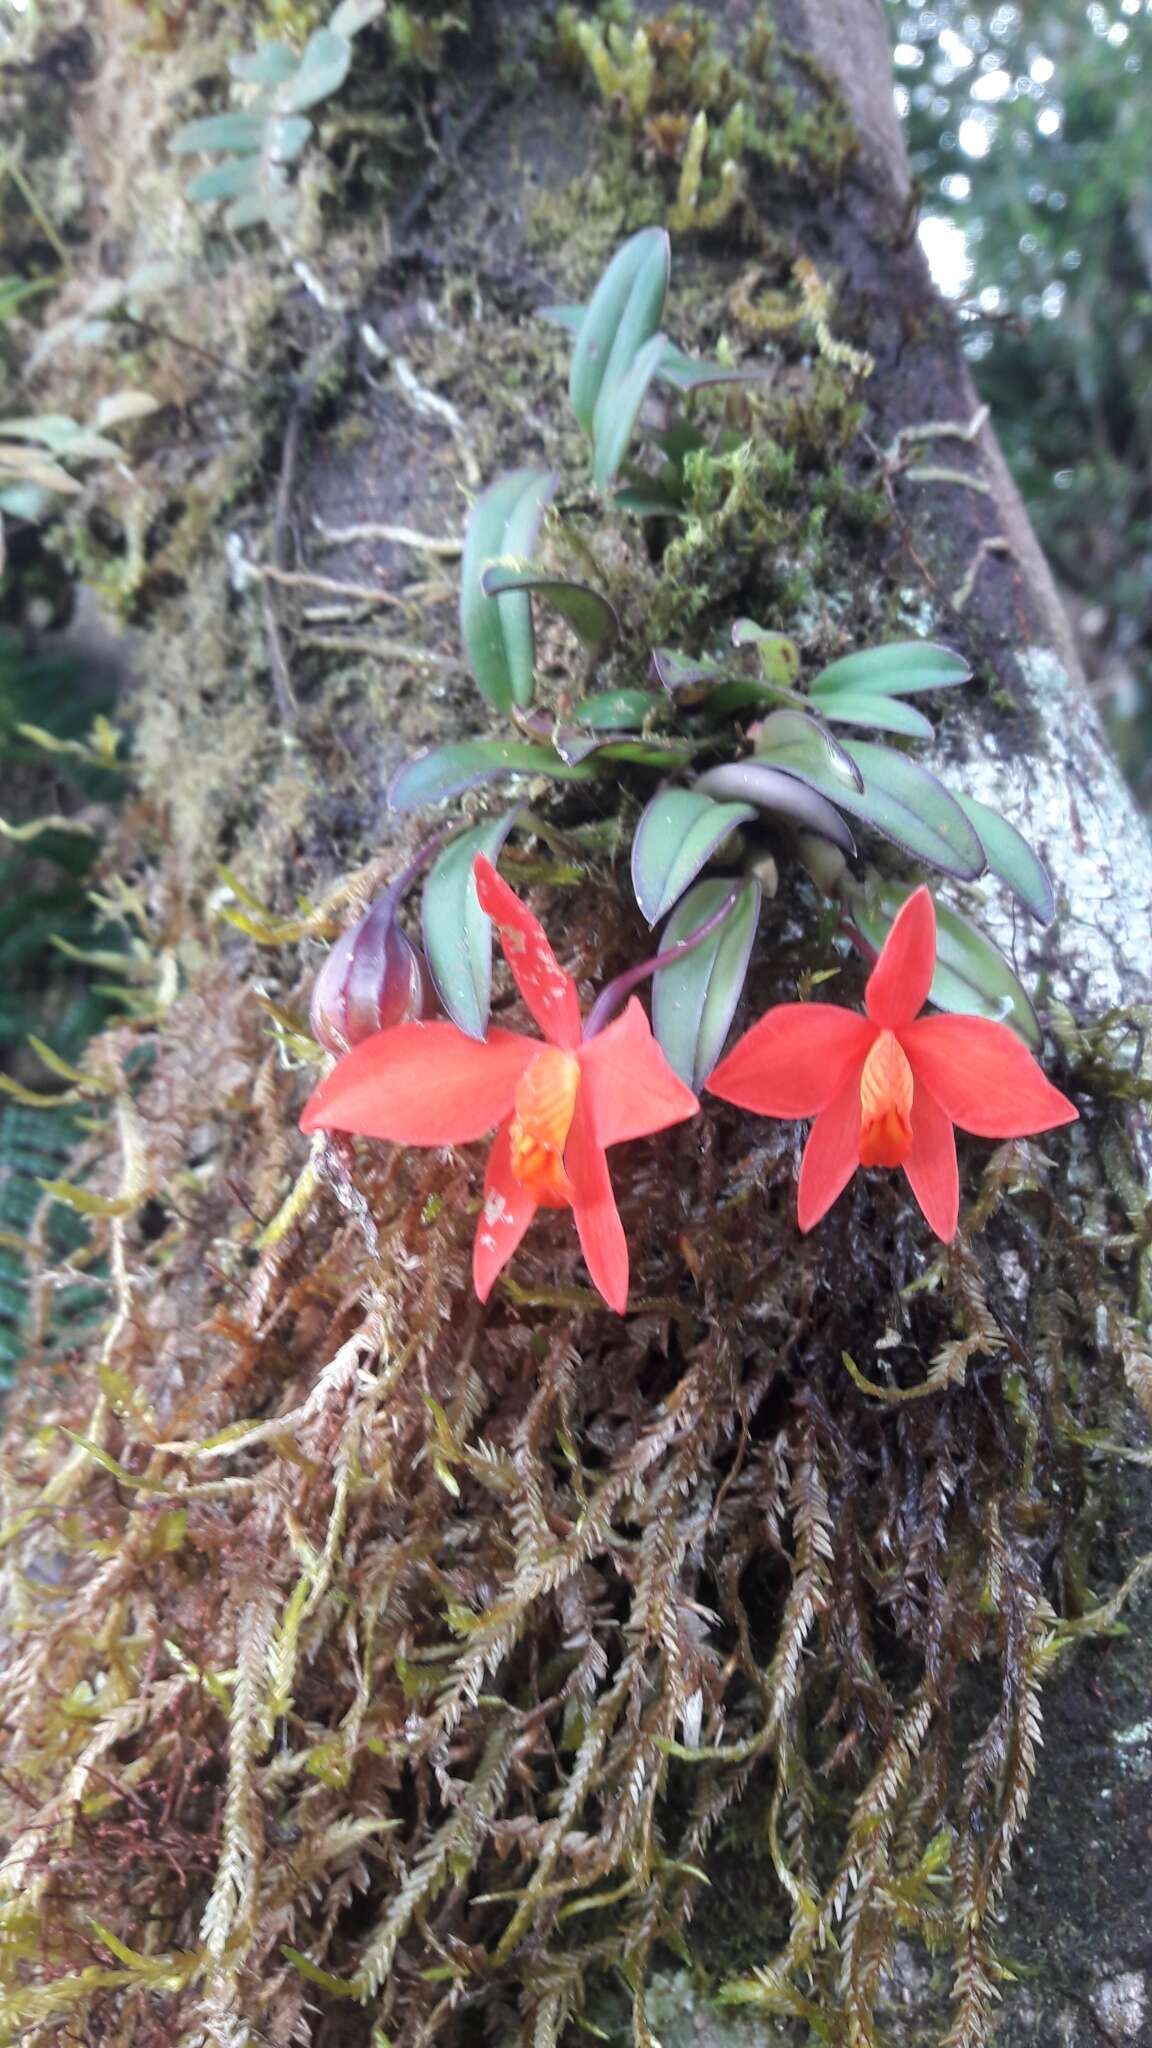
(610, 998)
(420, 859)
(863, 946)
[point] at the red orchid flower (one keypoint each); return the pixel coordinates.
(557, 1105)
(886, 1089)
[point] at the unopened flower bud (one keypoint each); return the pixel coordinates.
(373, 977)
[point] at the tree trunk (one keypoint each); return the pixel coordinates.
(472, 1619)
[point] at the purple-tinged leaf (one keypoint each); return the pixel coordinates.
(467, 764)
(694, 998)
(457, 933)
(781, 792)
(914, 810)
(794, 739)
(1011, 858)
(678, 833)
(898, 799)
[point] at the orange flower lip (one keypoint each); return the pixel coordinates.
(886, 1090)
(541, 1120)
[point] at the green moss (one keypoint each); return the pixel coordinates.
(703, 124)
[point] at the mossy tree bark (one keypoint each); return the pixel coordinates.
(471, 1619)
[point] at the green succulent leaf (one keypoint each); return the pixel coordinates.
(972, 977)
(322, 70)
(617, 410)
(795, 740)
(683, 372)
(229, 180)
(740, 693)
(1011, 858)
(694, 998)
(686, 373)
(457, 933)
(353, 15)
(570, 318)
(678, 833)
(779, 656)
(467, 764)
(618, 710)
(587, 611)
(219, 131)
(908, 804)
(622, 316)
(896, 670)
(497, 631)
(880, 714)
(285, 137)
(574, 744)
(648, 503)
(64, 436)
(675, 672)
(272, 206)
(655, 753)
(271, 64)
(898, 799)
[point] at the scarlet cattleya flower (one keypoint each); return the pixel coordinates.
(557, 1105)
(886, 1089)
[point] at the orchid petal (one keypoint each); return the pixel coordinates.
(421, 1084)
(602, 1238)
(508, 1210)
(898, 984)
(831, 1155)
(794, 1060)
(931, 1165)
(549, 993)
(983, 1077)
(629, 1086)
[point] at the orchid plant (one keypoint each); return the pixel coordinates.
(751, 765)
(556, 1106)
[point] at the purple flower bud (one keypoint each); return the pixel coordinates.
(373, 977)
